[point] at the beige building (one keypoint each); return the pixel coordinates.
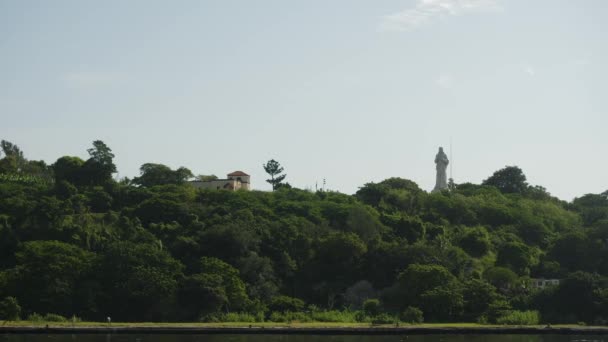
(237, 180)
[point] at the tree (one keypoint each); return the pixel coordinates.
(158, 174)
(509, 179)
(517, 256)
(50, 276)
(363, 221)
(372, 193)
(206, 178)
(102, 154)
(577, 295)
(100, 166)
(430, 287)
(68, 169)
(417, 279)
(478, 295)
(273, 168)
(286, 304)
(356, 294)
(442, 303)
(592, 207)
(573, 251)
(9, 309)
(475, 241)
(501, 277)
(142, 275)
(371, 307)
(394, 192)
(259, 275)
(231, 282)
(13, 160)
(412, 314)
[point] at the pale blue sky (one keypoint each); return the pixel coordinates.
(350, 91)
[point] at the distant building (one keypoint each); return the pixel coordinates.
(540, 283)
(237, 180)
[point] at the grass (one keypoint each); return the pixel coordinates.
(263, 325)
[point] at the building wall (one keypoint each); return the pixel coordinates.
(221, 184)
(217, 184)
(231, 183)
(244, 181)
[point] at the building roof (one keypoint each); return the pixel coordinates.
(237, 173)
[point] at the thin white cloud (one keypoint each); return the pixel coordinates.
(82, 79)
(528, 69)
(445, 81)
(425, 11)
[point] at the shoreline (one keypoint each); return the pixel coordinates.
(289, 330)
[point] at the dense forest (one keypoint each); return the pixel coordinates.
(76, 242)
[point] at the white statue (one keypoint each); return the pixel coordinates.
(441, 161)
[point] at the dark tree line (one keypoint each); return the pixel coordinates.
(73, 241)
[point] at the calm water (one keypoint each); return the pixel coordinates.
(299, 338)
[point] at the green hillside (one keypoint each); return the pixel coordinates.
(75, 242)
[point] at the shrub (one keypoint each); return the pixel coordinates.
(10, 309)
(384, 318)
(361, 317)
(238, 317)
(285, 303)
(335, 316)
(371, 307)
(51, 317)
(211, 318)
(34, 317)
(519, 318)
(277, 317)
(412, 315)
(298, 317)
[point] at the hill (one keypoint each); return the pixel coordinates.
(73, 241)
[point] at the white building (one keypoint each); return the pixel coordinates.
(237, 180)
(540, 283)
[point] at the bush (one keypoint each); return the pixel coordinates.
(412, 315)
(361, 317)
(384, 318)
(211, 318)
(298, 317)
(519, 318)
(289, 317)
(371, 307)
(278, 317)
(285, 304)
(51, 317)
(318, 316)
(238, 317)
(10, 309)
(34, 317)
(334, 316)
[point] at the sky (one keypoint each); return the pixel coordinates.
(349, 91)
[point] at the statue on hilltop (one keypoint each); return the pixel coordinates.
(441, 162)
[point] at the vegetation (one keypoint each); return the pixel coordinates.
(274, 169)
(77, 243)
(519, 318)
(9, 309)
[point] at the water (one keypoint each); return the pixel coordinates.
(297, 338)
